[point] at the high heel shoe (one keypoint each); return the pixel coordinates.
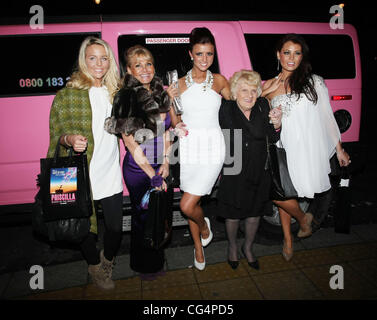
(287, 255)
(254, 264)
(199, 265)
(206, 241)
(233, 264)
(306, 233)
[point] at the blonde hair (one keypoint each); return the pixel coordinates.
(137, 50)
(252, 78)
(82, 79)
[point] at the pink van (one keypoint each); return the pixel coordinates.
(39, 61)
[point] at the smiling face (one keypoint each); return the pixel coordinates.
(142, 68)
(290, 56)
(97, 62)
(246, 95)
(202, 55)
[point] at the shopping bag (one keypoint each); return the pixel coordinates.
(64, 186)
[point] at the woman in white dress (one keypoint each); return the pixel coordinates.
(309, 134)
(202, 148)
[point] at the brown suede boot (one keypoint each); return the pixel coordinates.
(98, 277)
(107, 267)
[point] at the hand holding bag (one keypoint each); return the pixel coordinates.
(282, 186)
(61, 211)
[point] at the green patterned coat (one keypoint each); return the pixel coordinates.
(71, 113)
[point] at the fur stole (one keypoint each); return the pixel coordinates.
(136, 110)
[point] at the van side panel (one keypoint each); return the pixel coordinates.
(335, 86)
(24, 126)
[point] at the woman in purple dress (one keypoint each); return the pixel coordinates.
(140, 115)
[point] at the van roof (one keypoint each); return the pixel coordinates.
(166, 17)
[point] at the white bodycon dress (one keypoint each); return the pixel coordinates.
(202, 151)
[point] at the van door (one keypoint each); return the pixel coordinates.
(168, 42)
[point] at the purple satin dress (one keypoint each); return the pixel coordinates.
(141, 259)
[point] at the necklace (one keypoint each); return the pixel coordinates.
(207, 83)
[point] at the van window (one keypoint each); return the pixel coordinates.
(170, 51)
(331, 56)
(38, 64)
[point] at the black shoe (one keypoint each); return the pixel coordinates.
(254, 264)
(233, 264)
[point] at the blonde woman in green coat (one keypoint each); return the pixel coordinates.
(77, 118)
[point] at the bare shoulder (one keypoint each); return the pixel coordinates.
(219, 78)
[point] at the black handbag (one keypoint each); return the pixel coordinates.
(62, 212)
(158, 224)
(282, 186)
(342, 210)
(65, 187)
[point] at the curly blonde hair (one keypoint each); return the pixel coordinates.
(252, 78)
(82, 79)
(137, 50)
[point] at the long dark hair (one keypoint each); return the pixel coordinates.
(301, 80)
(201, 36)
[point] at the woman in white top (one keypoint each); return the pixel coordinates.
(202, 150)
(309, 133)
(77, 119)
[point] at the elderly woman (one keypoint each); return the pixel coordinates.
(244, 195)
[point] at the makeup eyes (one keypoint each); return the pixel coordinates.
(297, 53)
(199, 54)
(148, 64)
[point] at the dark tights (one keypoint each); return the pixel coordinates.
(251, 227)
(112, 213)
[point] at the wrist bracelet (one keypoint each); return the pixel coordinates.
(156, 181)
(65, 141)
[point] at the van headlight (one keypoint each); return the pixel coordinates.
(343, 119)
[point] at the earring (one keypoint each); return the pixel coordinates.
(278, 68)
(192, 59)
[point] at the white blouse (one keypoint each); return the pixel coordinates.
(104, 171)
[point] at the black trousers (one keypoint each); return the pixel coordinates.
(112, 208)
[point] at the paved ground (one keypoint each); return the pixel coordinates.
(307, 276)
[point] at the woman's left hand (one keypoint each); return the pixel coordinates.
(343, 158)
(164, 170)
(275, 117)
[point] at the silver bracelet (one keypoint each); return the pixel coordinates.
(65, 141)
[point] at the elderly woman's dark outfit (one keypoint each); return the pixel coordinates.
(245, 194)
